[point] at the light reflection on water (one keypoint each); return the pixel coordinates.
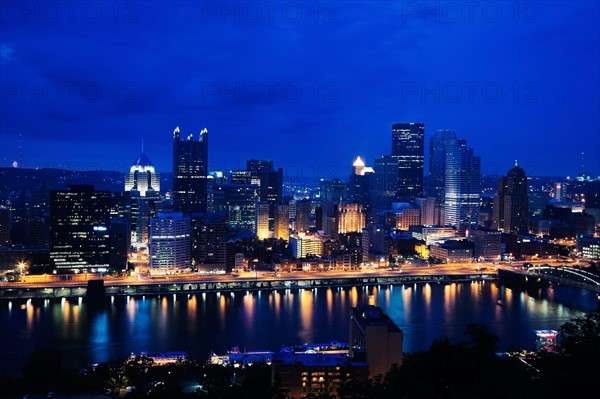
(202, 323)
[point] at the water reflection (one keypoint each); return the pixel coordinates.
(199, 323)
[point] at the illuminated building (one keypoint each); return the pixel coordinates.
(305, 245)
(282, 222)
(333, 190)
(79, 225)
(437, 162)
(262, 220)
(303, 210)
(169, 243)
(375, 338)
(408, 217)
(588, 246)
(208, 235)
(142, 177)
(462, 190)
(452, 251)
(432, 211)
(142, 184)
(432, 234)
(511, 203)
(487, 244)
(190, 172)
(408, 148)
(349, 218)
(239, 202)
(359, 184)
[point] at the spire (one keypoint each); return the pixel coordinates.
(142, 146)
(516, 163)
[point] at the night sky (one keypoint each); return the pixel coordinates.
(309, 85)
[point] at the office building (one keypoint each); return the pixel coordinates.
(169, 243)
(262, 220)
(79, 225)
(463, 185)
(511, 203)
(408, 148)
(487, 244)
(437, 162)
(282, 222)
(302, 219)
(142, 176)
(359, 184)
(190, 172)
(375, 338)
(384, 183)
(349, 218)
(208, 235)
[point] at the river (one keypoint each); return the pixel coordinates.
(202, 323)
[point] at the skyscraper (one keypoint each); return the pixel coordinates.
(408, 148)
(359, 184)
(208, 235)
(462, 190)
(142, 177)
(169, 242)
(384, 183)
(262, 220)
(143, 186)
(511, 203)
(437, 162)
(190, 172)
(282, 222)
(79, 225)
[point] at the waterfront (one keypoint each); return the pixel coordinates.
(266, 320)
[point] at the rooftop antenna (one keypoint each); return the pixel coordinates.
(142, 146)
(582, 163)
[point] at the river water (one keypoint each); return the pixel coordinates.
(202, 323)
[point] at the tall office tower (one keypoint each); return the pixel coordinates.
(359, 184)
(169, 243)
(409, 149)
(239, 202)
(269, 179)
(270, 182)
(303, 210)
(190, 172)
(437, 162)
(215, 178)
(511, 203)
(79, 226)
(333, 190)
(142, 177)
(262, 220)
(120, 242)
(349, 218)
(462, 190)
(282, 222)
(208, 236)
(143, 184)
(384, 183)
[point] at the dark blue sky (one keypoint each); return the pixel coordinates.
(310, 85)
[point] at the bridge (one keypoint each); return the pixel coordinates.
(228, 284)
(571, 276)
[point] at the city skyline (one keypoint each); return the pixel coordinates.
(524, 86)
